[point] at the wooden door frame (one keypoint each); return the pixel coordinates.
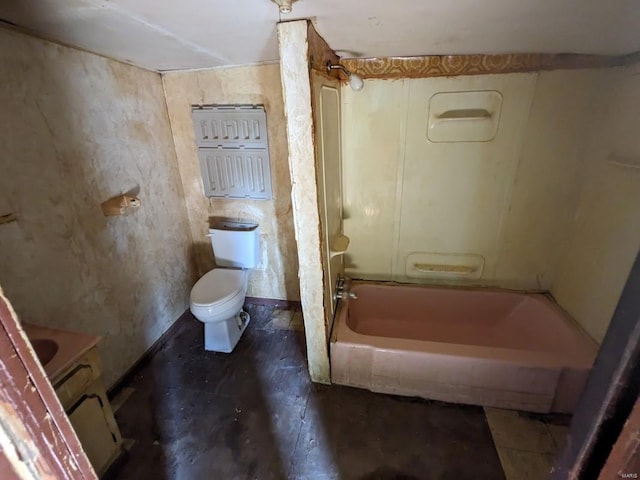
(624, 461)
(37, 440)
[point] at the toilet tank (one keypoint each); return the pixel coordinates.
(235, 244)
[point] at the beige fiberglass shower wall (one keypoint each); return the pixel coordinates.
(604, 237)
(424, 204)
(424, 210)
(325, 92)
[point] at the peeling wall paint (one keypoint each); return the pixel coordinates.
(276, 275)
(77, 129)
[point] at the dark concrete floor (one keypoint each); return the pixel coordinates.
(254, 414)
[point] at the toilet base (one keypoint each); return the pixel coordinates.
(224, 336)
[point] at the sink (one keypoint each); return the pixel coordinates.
(45, 349)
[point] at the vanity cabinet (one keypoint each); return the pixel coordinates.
(83, 396)
(75, 379)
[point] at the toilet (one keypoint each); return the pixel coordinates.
(217, 298)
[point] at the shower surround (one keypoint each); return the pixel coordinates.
(490, 181)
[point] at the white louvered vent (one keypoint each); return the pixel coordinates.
(233, 150)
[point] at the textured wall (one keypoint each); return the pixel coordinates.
(605, 233)
(75, 130)
(296, 88)
(277, 274)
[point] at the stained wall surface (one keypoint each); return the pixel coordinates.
(277, 274)
(77, 129)
(293, 41)
(604, 236)
(496, 208)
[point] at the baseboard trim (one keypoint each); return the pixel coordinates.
(126, 377)
(273, 302)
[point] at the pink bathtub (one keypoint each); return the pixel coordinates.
(483, 347)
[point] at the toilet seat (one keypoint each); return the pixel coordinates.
(217, 287)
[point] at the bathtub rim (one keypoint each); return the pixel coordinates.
(535, 358)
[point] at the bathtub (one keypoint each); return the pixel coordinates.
(475, 346)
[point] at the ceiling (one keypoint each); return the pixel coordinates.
(186, 34)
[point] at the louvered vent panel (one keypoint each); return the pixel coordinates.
(226, 127)
(235, 173)
(233, 150)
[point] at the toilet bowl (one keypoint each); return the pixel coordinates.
(218, 297)
(217, 300)
(219, 294)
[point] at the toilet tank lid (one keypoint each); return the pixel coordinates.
(217, 286)
(234, 226)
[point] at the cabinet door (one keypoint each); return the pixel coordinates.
(93, 430)
(71, 384)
